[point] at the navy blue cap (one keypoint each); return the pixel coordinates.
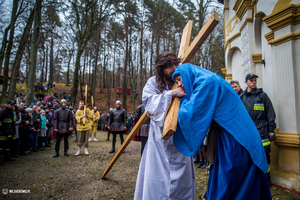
(251, 75)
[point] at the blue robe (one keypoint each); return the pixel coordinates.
(240, 167)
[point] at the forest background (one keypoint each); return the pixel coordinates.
(99, 43)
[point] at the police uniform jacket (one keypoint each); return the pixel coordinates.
(261, 111)
(144, 131)
(117, 119)
(63, 120)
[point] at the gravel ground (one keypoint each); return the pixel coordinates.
(79, 177)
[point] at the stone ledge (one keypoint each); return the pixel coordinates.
(287, 140)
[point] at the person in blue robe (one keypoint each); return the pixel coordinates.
(240, 164)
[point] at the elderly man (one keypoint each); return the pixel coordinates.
(63, 125)
(7, 131)
(36, 118)
(236, 86)
(117, 119)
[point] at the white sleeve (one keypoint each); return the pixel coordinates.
(156, 103)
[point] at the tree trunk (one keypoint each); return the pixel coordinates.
(68, 71)
(151, 55)
(75, 76)
(114, 64)
(96, 62)
(33, 54)
(103, 68)
(141, 62)
(83, 71)
(3, 47)
(125, 66)
(46, 71)
(8, 51)
(43, 67)
(18, 58)
(51, 61)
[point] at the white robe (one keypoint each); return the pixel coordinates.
(164, 172)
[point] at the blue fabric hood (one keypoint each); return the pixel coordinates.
(209, 97)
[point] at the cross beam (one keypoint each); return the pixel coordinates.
(186, 52)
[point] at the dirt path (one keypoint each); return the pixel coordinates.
(79, 177)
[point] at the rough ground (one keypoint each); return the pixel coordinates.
(79, 177)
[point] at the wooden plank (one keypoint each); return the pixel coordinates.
(85, 100)
(134, 131)
(171, 120)
(185, 38)
(172, 116)
(205, 31)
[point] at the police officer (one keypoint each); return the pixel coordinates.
(7, 131)
(261, 111)
(63, 125)
(117, 119)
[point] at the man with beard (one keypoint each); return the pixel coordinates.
(164, 172)
(25, 118)
(117, 119)
(7, 131)
(63, 125)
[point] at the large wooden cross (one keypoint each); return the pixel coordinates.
(186, 52)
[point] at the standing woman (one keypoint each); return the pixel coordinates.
(42, 133)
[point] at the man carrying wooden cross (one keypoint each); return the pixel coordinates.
(164, 172)
(83, 117)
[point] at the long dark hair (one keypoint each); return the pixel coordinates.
(163, 61)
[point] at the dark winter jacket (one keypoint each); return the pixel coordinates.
(118, 119)
(63, 120)
(24, 117)
(261, 111)
(35, 115)
(7, 122)
(144, 131)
